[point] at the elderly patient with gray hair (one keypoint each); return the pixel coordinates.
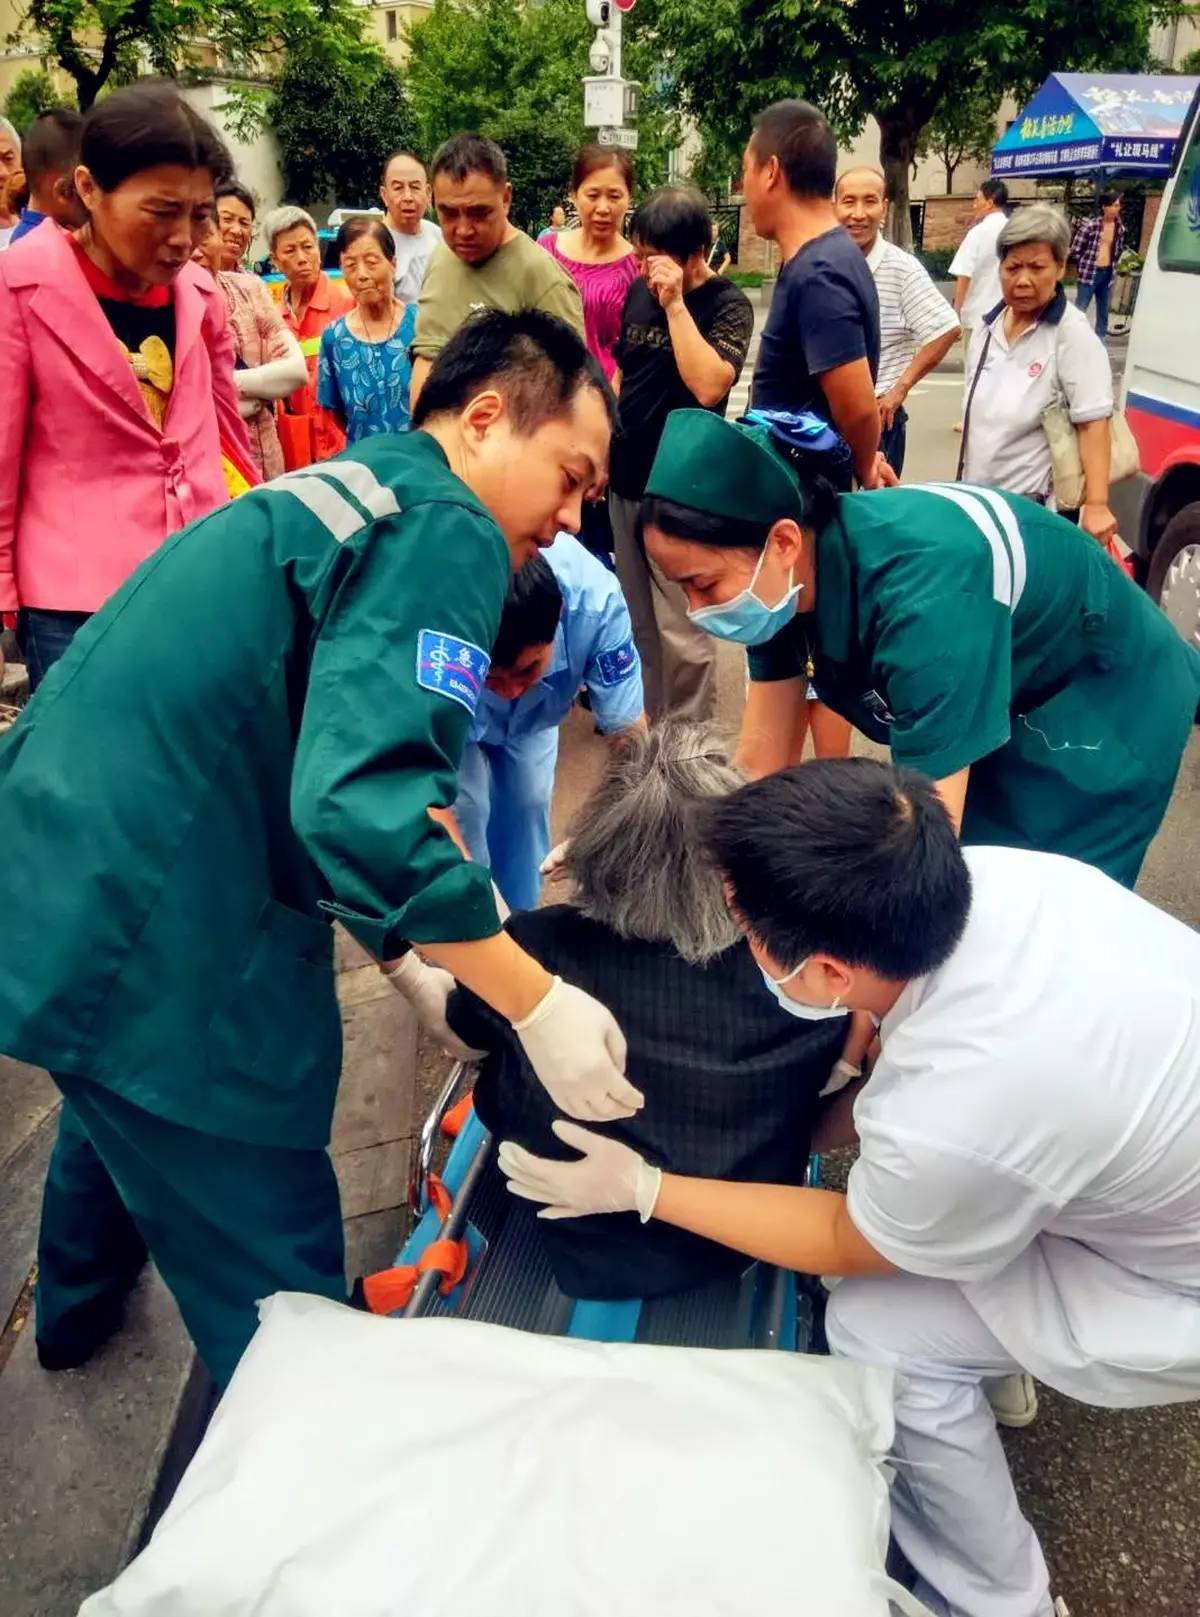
(731, 1081)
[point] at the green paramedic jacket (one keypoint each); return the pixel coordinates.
(244, 741)
(963, 626)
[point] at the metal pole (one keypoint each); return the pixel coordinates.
(614, 28)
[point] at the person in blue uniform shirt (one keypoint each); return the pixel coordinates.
(565, 625)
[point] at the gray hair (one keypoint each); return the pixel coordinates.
(7, 129)
(1036, 222)
(638, 861)
(286, 218)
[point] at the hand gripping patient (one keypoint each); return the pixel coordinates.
(731, 1081)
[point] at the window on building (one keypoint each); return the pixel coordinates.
(391, 26)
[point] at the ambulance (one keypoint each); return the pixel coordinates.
(1158, 509)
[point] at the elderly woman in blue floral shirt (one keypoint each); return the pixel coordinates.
(364, 369)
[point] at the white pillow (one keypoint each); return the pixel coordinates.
(367, 1467)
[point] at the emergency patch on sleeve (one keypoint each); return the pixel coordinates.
(451, 667)
(617, 665)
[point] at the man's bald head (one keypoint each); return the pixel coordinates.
(860, 198)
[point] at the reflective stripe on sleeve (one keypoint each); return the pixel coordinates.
(969, 501)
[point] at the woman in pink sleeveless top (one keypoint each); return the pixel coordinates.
(595, 254)
(602, 264)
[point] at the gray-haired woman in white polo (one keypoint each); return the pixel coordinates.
(1033, 350)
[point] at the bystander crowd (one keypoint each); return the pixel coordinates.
(975, 266)
(364, 370)
(484, 261)
(684, 339)
(917, 327)
(118, 391)
(11, 181)
(311, 301)
(404, 191)
(1032, 351)
(1096, 252)
(50, 152)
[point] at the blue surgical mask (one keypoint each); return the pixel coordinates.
(746, 619)
(795, 1007)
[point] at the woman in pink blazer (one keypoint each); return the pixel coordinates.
(116, 370)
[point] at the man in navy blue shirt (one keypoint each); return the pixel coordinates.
(820, 348)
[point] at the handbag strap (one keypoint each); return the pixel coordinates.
(962, 448)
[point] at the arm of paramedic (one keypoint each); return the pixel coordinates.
(768, 722)
(807, 1230)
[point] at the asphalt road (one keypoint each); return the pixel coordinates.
(1113, 1495)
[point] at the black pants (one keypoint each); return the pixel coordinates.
(893, 441)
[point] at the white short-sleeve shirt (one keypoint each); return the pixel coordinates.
(412, 258)
(912, 312)
(1032, 1127)
(1058, 358)
(977, 258)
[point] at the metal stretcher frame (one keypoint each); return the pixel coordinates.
(509, 1280)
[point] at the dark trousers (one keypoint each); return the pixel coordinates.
(226, 1223)
(1101, 290)
(893, 441)
(43, 637)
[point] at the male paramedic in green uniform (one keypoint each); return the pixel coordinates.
(992, 644)
(244, 743)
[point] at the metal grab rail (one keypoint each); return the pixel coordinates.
(422, 1166)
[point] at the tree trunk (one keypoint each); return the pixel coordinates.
(898, 134)
(951, 170)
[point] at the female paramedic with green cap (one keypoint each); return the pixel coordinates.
(993, 645)
(244, 743)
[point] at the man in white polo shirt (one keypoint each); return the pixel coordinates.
(975, 265)
(917, 327)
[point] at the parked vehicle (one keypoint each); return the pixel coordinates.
(1159, 509)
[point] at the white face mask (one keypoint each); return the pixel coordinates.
(796, 1007)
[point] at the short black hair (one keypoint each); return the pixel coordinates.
(536, 361)
(391, 158)
(50, 145)
(236, 190)
(673, 220)
(462, 155)
(532, 609)
(996, 191)
(144, 125)
(732, 533)
(365, 224)
(800, 136)
(1104, 200)
(846, 856)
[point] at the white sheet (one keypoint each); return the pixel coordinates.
(365, 1467)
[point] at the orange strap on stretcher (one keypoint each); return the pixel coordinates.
(455, 1119)
(390, 1289)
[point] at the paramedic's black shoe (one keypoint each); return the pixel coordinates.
(69, 1349)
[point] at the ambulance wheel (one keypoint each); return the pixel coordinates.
(1174, 577)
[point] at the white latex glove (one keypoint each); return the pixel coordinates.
(554, 865)
(427, 989)
(577, 1050)
(608, 1178)
(842, 1073)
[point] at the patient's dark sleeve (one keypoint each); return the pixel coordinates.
(475, 1023)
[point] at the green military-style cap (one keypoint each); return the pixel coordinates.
(726, 468)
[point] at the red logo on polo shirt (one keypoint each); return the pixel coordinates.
(1036, 369)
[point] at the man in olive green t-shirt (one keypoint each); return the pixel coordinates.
(483, 261)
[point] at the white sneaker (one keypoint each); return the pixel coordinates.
(1013, 1400)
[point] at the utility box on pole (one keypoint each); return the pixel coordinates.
(610, 104)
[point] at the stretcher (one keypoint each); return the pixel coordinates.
(475, 1253)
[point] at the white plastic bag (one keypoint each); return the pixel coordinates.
(367, 1467)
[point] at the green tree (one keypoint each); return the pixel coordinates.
(513, 72)
(962, 130)
(33, 92)
(899, 61)
(337, 112)
(98, 41)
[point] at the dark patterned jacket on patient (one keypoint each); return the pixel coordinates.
(730, 1080)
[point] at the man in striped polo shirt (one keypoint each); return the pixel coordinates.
(917, 327)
